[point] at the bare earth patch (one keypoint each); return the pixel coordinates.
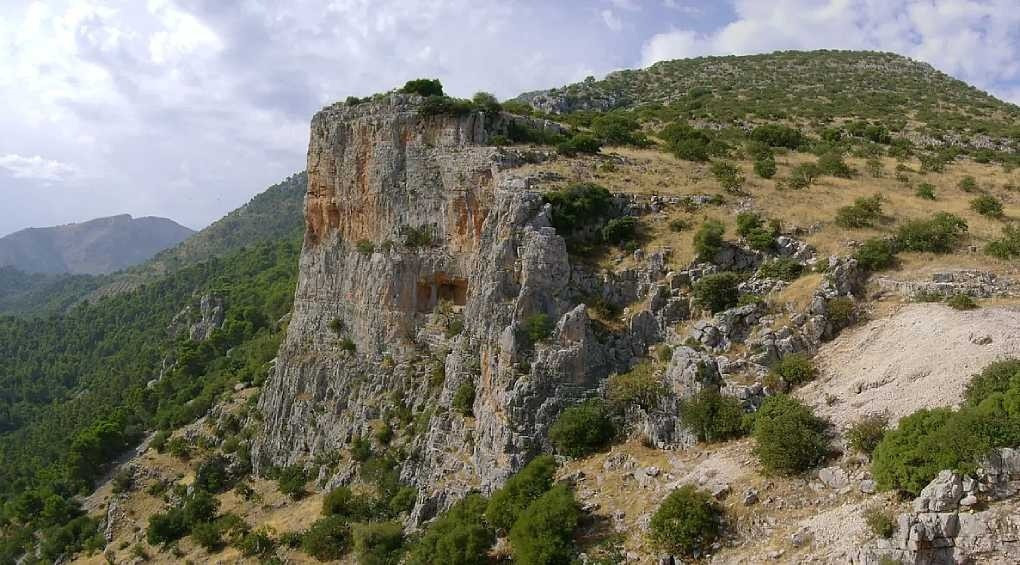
(919, 356)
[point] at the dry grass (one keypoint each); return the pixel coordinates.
(810, 211)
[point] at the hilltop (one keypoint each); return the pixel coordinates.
(94, 247)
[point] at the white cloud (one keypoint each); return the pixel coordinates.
(611, 21)
(975, 40)
(35, 167)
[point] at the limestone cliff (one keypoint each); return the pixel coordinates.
(408, 214)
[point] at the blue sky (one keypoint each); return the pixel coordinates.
(187, 108)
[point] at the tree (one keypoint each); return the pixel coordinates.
(423, 87)
(520, 490)
(712, 416)
(582, 429)
(717, 291)
(708, 240)
(459, 536)
(543, 534)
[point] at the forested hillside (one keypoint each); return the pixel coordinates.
(74, 392)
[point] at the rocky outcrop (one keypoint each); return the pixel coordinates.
(406, 213)
(978, 284)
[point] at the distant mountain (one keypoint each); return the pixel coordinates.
(95, 247)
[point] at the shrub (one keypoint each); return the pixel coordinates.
(520, 490)
(459, 536)
(790, 438)
(865, 435)
(577, 206)
(378, 543)
(776, 135)
(347, 344)
(620, 230)
(543, 534)
(165, 528)
(207, 535)
(579, 143)
(874, 167)
(997, 377)
(423, 87)
(841, 311)
(717, 291)
(486, 102)
(862, 214)
(832, 164)
(783, 268)
(679, 224)
(961, 302)
(708, 240)
(758, 234)
(940, 234)
(987, 205)
(923, 444)
(876, 254)
(537, 327)
(327, 539)
(123, 480)
(616, 128)
(342, 501)
(926, 190)
(803, 176)
(685, 142)
(159, 441)
(361, 449)
(967, 184)
(712, 416)
(687, 522)
(727, 175)
(795, 369)
(1008, 246)
(291, 481)
(665, 353)
(419, 237)
(365, 247)
(582, 429)
(765, 166)
(639, 386)
(336, 325)
(880, 521)
(464, 398)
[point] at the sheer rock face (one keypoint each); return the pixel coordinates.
(447, 223)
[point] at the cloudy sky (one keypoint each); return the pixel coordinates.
(186, 108)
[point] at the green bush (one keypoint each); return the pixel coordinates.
(342, 501)
(841, 310)
(880, 521)
(486, 102)
(832, 164)
(783, 268)
(967, 184)
(961, 302)
(291, 481)
(1008, 246)
(464, 398)
(361, 449)
(862, 214)
(537, 327)
(940, 234)
(159, 441)
(795, 369)
(579, 143)
(728, 175)
(207, 535)
(543, 534)
(679, 224)
(923, 444)
(790, 438)
(329, 538)
(874, 167)
(578, 206)
(423, 87)
(803, 176)
(865, 434)
(365, 247)
(122, 480)
(712, 416)
(582, 429)
(997, 377)
(520, 490)
(378, 543)
(765, 166)
(459, 536)
(212, 475)
(664, 353)
(776, 135)
(926, 191)
(687, 523)
(336, 325)
(347, 344)
(620, 230)
(876, 254)
(166, 527)
(639, 386)
(987, 205)
(616, 128)
(717, 291)
(708, 240)
(685, 142)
